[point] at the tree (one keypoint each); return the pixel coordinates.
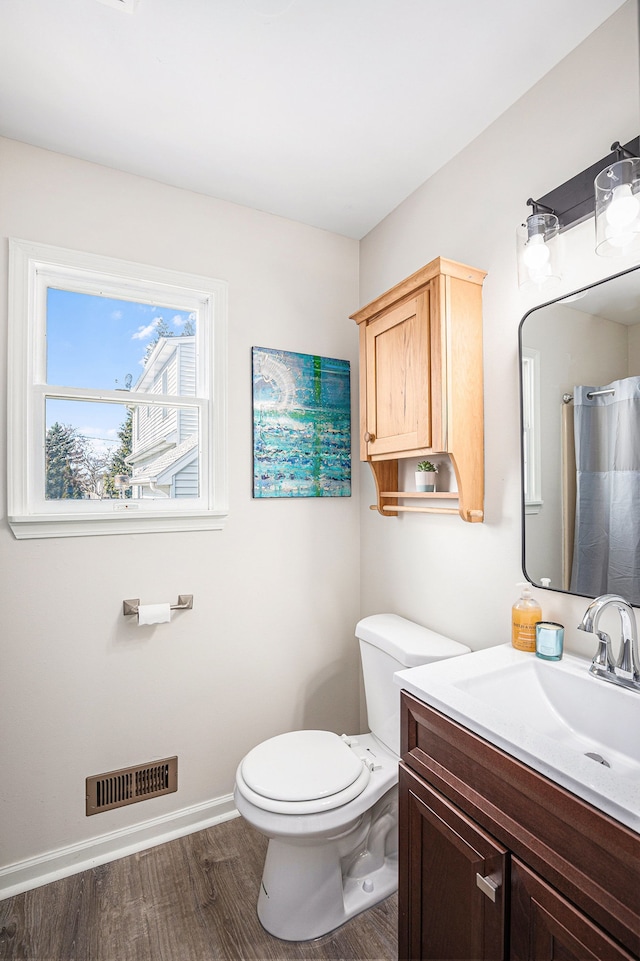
(162, 329)
(74, 469)
(117, 463)
(63, 463)
(92, 469)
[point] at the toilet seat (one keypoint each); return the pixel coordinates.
(302, 772)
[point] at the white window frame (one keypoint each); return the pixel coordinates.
(34, 267)
(531, 447)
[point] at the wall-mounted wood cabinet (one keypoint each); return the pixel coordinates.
(421, 384)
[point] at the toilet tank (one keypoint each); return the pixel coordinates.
(390, 643)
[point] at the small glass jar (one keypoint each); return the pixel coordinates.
(549, 640)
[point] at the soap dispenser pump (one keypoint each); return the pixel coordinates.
(525, 613)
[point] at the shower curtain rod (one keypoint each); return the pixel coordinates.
(568, 398)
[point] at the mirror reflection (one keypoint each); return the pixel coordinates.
(580, 409)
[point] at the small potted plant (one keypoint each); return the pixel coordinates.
(426, 476)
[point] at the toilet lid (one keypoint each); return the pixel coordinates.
(301, 766)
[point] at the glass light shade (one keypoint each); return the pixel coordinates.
(538, 246)
(617, 189)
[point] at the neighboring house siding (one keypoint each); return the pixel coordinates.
(186, 370)
(165, 439)
(187, 382)
(172, 379)
(186, 481)
(154, 425)
(187, 424)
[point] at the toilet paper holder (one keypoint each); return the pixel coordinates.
(185, 603)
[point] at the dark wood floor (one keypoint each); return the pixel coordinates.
(192, 899)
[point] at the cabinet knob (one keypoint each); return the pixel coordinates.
(369, 438)
(488, 886)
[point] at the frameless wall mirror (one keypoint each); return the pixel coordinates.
(580, 415)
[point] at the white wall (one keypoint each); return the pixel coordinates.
(269, 645)
(634, 350)
(460, 578)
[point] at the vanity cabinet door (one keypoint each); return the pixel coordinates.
(444, 856)
(547, 927)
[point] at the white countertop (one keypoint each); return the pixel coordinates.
(547, 714)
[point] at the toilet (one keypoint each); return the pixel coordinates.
(328, 803)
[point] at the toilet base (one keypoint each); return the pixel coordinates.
(309, 889)
(322, 911)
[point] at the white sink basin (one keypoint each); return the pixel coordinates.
(550, 714)
(566, 704)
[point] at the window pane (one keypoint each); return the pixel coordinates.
(98, 451)
(100, 342)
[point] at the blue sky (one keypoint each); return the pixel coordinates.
(98, 342)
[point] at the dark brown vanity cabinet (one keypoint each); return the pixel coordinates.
(498, 862)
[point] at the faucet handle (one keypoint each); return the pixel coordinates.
(603, 661)
(625, 666)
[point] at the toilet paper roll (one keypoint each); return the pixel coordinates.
(154, 613)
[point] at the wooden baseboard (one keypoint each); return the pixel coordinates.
(63, 862)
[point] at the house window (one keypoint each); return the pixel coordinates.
(532, 468)
(117, 396)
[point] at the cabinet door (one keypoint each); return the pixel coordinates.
(398, 379)
(547, 927)
(443, 856)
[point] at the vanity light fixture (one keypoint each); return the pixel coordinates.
(610, 188)
(538, 246)
(617, 200)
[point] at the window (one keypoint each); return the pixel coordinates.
(117, 396)
(531, 474)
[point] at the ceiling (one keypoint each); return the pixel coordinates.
(328, 112)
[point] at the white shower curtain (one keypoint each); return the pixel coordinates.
(606, 553)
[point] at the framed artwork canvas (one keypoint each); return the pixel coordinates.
(301, 425)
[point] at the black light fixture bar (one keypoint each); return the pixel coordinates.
(574, 201)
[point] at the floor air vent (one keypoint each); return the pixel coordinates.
(131, 784)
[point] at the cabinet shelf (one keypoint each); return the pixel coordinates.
(385, 474)
(438, 495)
(423, 495)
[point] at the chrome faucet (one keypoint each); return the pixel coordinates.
(626, 670)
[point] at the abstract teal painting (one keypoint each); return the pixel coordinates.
(301, 425)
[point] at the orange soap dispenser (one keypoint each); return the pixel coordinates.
(524, 614)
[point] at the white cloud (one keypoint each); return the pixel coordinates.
(143, 333)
